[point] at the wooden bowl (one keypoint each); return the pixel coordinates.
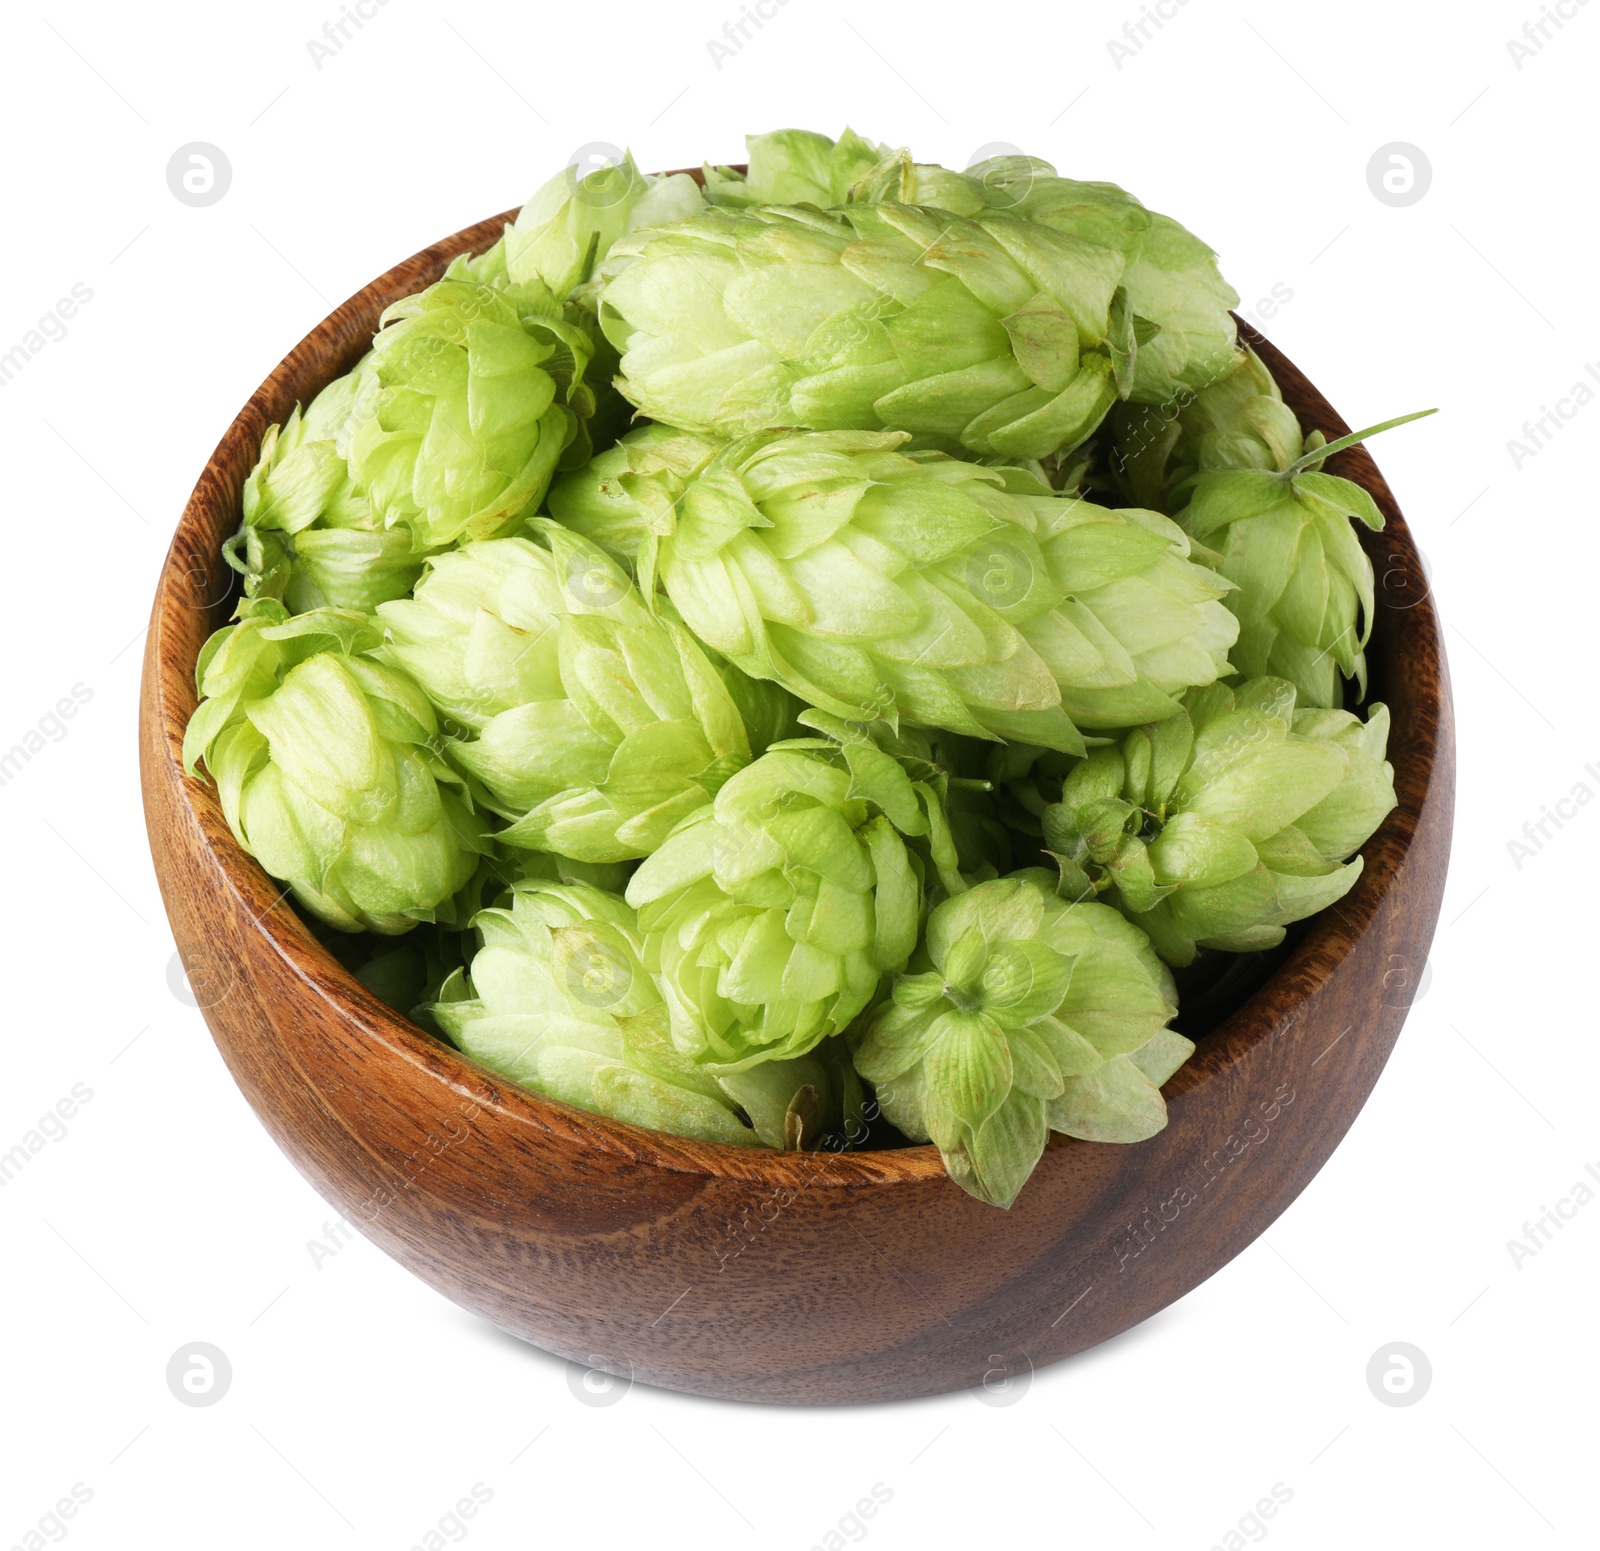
(756, 1275)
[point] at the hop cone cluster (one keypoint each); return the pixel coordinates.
(873, 583)
(713, 763)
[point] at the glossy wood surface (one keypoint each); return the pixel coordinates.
(767, 1276)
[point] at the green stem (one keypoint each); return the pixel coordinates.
(1316, 455)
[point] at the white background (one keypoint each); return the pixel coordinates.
(362, 1404)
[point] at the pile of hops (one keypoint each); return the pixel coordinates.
(805, 657)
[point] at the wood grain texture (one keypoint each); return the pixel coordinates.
(767, 1276)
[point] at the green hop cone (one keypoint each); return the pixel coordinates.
(874, 583)
(325, 765)
(449, 429)
(1186, 335)
(563, 232)
(1304, 593)
(556, 999)
(589, 722)
(1251, 491)
(1023, 1014)
(309, 536)
(1170, 276)
(571, 222)
(478, 389)
(771, 916)
(993, 333)
(1220, 826)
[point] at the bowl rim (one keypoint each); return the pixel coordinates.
(180, 624)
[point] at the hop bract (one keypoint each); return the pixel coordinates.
(325, 767)
(1220, 826)
(873, 583)
(591, 723)
(993, 333)
(556, 999)
(771, 917)
(796, 167)
(1023, 1014)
